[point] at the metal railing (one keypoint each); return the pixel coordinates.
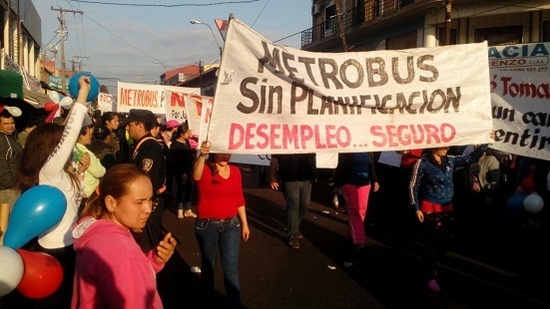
(357, 16)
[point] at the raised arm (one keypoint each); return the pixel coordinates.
(198, 166)
(56, 162)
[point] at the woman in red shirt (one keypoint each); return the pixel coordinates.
(221, 213)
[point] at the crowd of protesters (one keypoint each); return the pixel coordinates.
(77, 152)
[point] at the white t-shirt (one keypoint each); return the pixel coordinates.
(52, 173)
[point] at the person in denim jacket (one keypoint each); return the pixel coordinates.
(431, 192)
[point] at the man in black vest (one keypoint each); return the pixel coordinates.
(148, 155)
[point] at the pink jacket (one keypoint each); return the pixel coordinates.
(111, 270)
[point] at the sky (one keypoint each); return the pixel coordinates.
(123, 42)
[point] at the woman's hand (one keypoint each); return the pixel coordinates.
(84, 89)
(84, 163)
(205, 148)
(245, 233)
(420, 215)
(165, 249)
(376, 186)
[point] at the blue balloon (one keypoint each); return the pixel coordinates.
(35, 211)
(515, 202)
(94, 86)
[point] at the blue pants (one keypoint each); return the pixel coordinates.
(223, 235)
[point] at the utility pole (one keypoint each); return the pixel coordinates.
(338, 4)
(448, 9)
(79, 61)
(62, 32)
(201, 68)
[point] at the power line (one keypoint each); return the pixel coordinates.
(167, 5)
(259, 14)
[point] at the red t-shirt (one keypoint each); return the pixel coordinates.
(219, 198)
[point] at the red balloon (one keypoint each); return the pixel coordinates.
(49, 106)
(42, 276)
(528, 185)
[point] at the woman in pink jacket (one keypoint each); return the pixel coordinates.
(111, 270)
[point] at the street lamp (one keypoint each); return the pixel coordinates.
(165, 70)
(196, 22)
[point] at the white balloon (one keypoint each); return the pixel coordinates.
(66, 102)
(14, 110)
(54, 96)
(11, 270)
(533, 203)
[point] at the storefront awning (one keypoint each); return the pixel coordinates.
(34, 98)
(11, 85)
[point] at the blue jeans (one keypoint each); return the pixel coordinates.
(297, 197)
(223, 235)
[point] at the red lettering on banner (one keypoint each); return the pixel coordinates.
(405, 135)
(252, 136)
(176, 99)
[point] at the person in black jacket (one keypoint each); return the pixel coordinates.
(183, 159)
(297, 173)
(354, 177)
(148, 155)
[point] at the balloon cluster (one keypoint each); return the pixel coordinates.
(34, 274)
(532, 203)
(57, 100)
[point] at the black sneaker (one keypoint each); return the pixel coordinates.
(293, 242)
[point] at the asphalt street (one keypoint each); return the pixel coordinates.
(326, 272)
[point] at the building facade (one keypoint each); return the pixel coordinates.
(20, 40)
(366, 25)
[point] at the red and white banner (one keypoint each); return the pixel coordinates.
(150, 97)
(275, 99)
(520, 91)
(222, 25)
(186, 107)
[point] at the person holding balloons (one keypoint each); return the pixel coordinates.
(111, 269)
(47, 161)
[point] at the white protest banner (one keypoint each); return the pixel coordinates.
(150, 97)
(322, 160)
(262, 160)
(185, 107)
(105, 102)
(276, 99)
(206, 113)
(176, 108)
(195, 105)
(188, 90)
(520, 86)
(390, 158)
(326, 160)
(141, 96)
